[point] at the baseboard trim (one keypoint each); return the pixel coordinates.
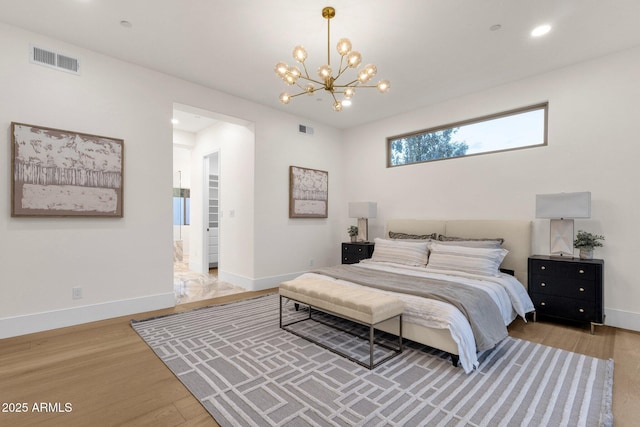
(38, 322)
(622, 319)
(256, 284)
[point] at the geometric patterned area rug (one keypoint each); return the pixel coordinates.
(246, 371)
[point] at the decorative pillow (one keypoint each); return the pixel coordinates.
(444, 238)
(401, 252)
(480, 261)
(405, 236)
(488, 244)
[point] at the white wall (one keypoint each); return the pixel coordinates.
(593, 115)
(125, 265)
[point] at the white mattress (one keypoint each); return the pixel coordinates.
(508, 293)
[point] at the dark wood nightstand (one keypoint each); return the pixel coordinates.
(569, 289)
(355, 252)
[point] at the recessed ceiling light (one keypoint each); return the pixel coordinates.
(346, 102)
(541, 30)
(126, 24)
(495, 27)
(175, 121)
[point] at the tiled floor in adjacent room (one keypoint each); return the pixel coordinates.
(190, 286)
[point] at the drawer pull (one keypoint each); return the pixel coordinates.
(581, 289)
(581, 271)
(543, 303)
(581, 310)
(543, 284)
(543, 267)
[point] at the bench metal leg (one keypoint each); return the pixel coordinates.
(372, 364)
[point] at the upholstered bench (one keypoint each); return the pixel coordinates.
(353, 303)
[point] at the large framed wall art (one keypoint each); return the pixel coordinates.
(308, 193)
(63, 173)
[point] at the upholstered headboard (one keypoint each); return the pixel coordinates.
(516, 235)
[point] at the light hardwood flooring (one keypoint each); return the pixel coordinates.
(112, 378)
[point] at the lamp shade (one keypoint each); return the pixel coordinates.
(363, 209)
(564, 205)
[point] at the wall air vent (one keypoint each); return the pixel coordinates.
(305, 129)
(58, 61)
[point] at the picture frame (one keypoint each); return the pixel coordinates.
(308, 193)
(60, 173)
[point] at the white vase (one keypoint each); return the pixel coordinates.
(586, 253)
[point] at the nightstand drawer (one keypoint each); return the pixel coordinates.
(573, 270)
(548, 285)
(567, 308)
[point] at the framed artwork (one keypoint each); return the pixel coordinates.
(308, 193)
(62, 173)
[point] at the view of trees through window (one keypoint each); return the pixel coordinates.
(522, 128)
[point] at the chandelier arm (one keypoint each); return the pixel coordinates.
(304, 66)
(298, 94)
(309, 79)
(354, 83)
(341, 70)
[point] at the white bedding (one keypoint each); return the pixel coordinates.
(508, 293)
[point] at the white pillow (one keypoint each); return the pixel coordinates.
(401, 252)
(480, 261)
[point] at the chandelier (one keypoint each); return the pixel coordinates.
(327, 81)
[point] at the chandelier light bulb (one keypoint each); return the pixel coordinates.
(281, 69)
(363, 76)
(309, 89)
(324, 71)
(354, 59)
(344, 46)
(295, 72)
(383, 86)
(337, 106)
(290, 79)
(349, 92)
(371, 69)
(299, 53)
(285, 97)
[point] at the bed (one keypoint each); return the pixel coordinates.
(435, 322)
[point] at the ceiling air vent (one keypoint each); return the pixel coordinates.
(305, 129)
(48, 58)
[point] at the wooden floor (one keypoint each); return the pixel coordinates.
(110, 377)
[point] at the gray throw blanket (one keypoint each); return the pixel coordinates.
(478, 307)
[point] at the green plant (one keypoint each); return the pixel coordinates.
(353, 231)
(587, 240)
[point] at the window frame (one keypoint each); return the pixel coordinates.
(540, 106)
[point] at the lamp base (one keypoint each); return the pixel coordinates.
(561, 238)
(363, 230)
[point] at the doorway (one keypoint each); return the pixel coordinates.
(211, 196)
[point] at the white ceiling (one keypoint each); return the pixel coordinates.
(430, 50)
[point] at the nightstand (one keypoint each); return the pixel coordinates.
(569, 289)
(355, 252)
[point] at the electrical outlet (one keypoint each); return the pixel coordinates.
(76, 293)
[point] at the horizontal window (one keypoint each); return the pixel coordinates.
(509, 130)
